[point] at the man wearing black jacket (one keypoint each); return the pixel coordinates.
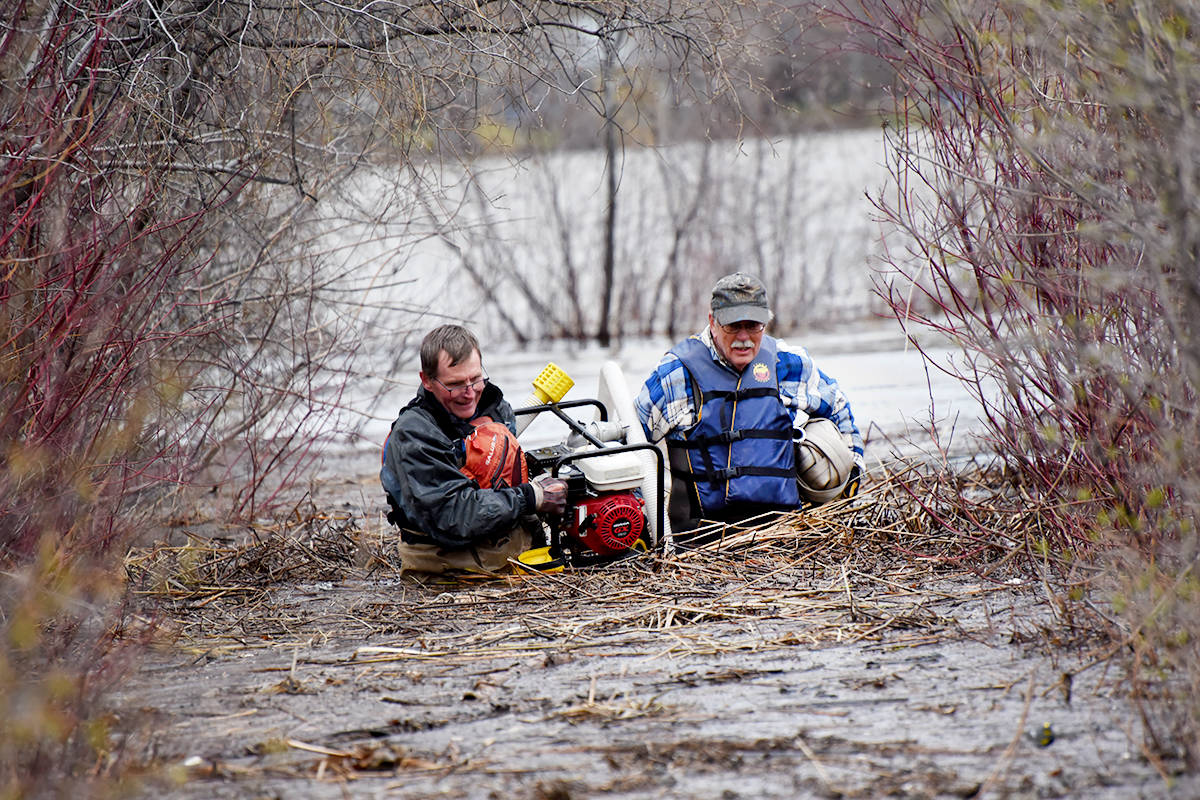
(452, 470)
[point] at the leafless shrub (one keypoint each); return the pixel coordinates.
(1047, 165)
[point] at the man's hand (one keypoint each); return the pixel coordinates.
(550, 494)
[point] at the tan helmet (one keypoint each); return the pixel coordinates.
(823, 461)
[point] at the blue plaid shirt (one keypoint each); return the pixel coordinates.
(666, 408)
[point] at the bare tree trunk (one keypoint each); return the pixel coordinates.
(576, 326)
(604, 332)
(666, 293)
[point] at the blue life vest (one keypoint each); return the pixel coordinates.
(738, 456)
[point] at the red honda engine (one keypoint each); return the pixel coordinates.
(605, 515)
(608, 523)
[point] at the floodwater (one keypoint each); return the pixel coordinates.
(768, 681)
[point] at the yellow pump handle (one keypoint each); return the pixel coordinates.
(552, 384)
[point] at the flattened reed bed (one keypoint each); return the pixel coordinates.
(846, 571)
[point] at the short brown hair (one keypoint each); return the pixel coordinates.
(458, 342)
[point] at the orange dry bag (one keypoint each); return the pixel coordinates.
(493, 457)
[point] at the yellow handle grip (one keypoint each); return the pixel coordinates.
(552, 384)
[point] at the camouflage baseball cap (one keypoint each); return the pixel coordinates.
(740, 296)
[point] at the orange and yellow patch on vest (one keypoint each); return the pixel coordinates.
(761, 373)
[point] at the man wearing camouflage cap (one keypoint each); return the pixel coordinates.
(751, 424)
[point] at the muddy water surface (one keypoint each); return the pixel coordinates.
(828, 668)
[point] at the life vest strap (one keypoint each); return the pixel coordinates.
(740, 394)
(726, 437)
(729, 473)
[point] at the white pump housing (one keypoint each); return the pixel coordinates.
(612, 472)
(614, 394)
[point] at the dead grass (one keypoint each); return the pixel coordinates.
(844, 572)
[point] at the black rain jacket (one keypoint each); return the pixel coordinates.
(421, 471)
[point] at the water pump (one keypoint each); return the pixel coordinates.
(615, 481)
(605, 516)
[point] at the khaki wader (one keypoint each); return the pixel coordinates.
(477, 558)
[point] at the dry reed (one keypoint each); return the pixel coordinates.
(844, 572)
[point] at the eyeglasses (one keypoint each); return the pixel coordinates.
(748, 327)
(461, 388)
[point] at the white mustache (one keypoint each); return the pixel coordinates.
(742, 346)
